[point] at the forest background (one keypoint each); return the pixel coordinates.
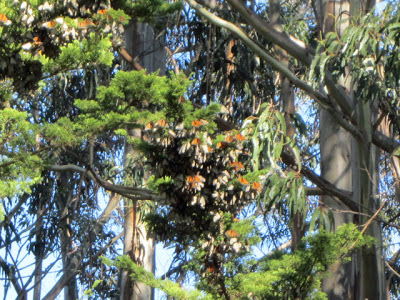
(275, 127)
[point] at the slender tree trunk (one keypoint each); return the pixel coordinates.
(286, 102)
(138, 244)
(352, 166)
(38, 254)
(70, 289)
(39, 247)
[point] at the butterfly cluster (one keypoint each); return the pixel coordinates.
(29, 31)
(211, 179)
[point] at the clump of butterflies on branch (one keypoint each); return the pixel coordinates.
(206, 177)
(35, 33)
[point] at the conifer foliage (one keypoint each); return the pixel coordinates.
(230, 168)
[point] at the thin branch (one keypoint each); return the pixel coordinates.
(9, 271)
(67, 277)
(171, 55)
(176, 269)
(318, 96)
(366, 225)
(297, 49)
(15, 210)
(126, 191)
(323, 184)
(391, 269)
(126, 56)
(321, 98)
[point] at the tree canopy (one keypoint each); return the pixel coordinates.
(267, 156)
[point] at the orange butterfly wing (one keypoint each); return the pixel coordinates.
(3, 18)
(232, 233)
(149, 126)
(256, 186)
(49, 24)
(240, 137)
(222, 145)
(196, 123)
(162, 123)
(196, 142)
(243, 181)
(229, 139)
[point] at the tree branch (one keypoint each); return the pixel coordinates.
(17, 207)
(318, 96)
(323, 184)
(9, 271)
(126, 191)
(297, 49)
(384, 142)
(126, 56)
(321, 98)
(67, 277)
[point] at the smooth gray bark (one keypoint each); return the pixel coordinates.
(143, 46)
(352, 165)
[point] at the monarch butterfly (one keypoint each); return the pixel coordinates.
(222, 145)
(226, 173)
(59, 20)
(3, 18)
(217, 195)
(224, 110)
(162, 123)
(196, 182)
(223, 179)
(149, 126)
(26, 46)
(49, 24)
(185, 147)
(236, 247)
(240, 137)
(212, 268)
(171, 133)
(196, 142)
(196, 123)
(232, 233)
(199, 178)
(85, 23)
(237, 165)
(102, 11)
(229, 139)
(256, 186)
(243, 181)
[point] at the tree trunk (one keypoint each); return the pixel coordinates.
(352, 166)
(70, 289)
(39, 246)
(140, 42)
(38, 254)
(286, 102)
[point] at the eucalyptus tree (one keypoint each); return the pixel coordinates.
(233, 165)
(350, 136)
